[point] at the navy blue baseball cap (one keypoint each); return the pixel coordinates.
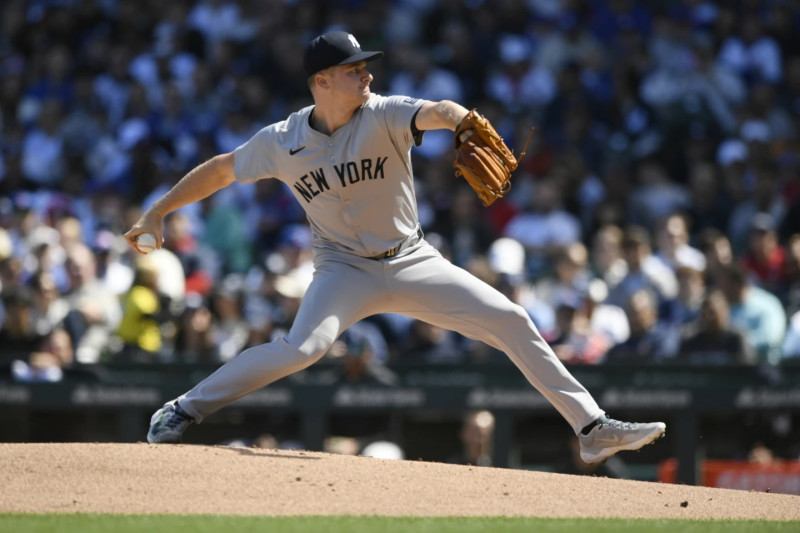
(334, 48)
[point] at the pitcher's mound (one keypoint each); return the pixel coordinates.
(143, 478)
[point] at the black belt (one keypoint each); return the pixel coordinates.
(411, 240)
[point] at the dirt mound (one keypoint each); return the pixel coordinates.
(143, 478)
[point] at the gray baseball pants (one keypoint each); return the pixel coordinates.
(419, 283)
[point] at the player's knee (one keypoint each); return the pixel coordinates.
(509, 317)
(311, 349)
(517, 315)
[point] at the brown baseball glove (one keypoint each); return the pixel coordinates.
(483, 159)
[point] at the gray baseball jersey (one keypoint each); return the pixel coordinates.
(349, 181)
(356, 186)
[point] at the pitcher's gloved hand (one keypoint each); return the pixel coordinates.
(483, 159)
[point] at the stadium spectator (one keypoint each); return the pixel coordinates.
(465, 232)
(712, 340)
(418, 74)
(733, 162)
(764, 109)
(686, 70)
(273, 208)
(758, 313)
(194, 342)
(570, 281)
(18, 335)
(518, 82)
(710, 203)
(113, 266)
(753, 53)
(567, 42)
(651, 341)
(506, 259)
(48, 308)
(358, 357)
(48, 362)
(718, 253)
(762, 199)
(200, 264)
(43, 162)
(94, 311)
(765, 258)
(429, 343)
(361, 356)
(685, 308)
(606, 258)
(477, 437)
(644, 271)
(46, 254)
(605, 318)
(231, 331)
(11, 272)
(674, 250)
(655, 195)
(577, 342)
(545, 227)
(140, 326)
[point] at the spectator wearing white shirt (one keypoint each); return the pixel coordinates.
(674, 249)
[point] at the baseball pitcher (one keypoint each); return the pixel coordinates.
(347, 160)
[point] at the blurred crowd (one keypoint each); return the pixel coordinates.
(655, 218)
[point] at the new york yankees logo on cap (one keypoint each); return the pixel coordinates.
(334, 48)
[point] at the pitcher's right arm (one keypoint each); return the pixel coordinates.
(201, 182)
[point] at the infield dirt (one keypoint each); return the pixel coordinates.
(190, 479)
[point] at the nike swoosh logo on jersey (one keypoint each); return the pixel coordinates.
(293, 151)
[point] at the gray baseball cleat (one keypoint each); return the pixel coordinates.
(610, 436)
(168, 424)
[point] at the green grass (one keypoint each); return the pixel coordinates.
(103, 523)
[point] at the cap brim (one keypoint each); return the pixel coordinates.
(363, 56)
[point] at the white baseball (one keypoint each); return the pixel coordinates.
(146, 242)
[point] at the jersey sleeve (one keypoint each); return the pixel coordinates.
(255, 159)
(399, 111)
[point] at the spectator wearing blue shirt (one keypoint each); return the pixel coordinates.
(756, 312)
